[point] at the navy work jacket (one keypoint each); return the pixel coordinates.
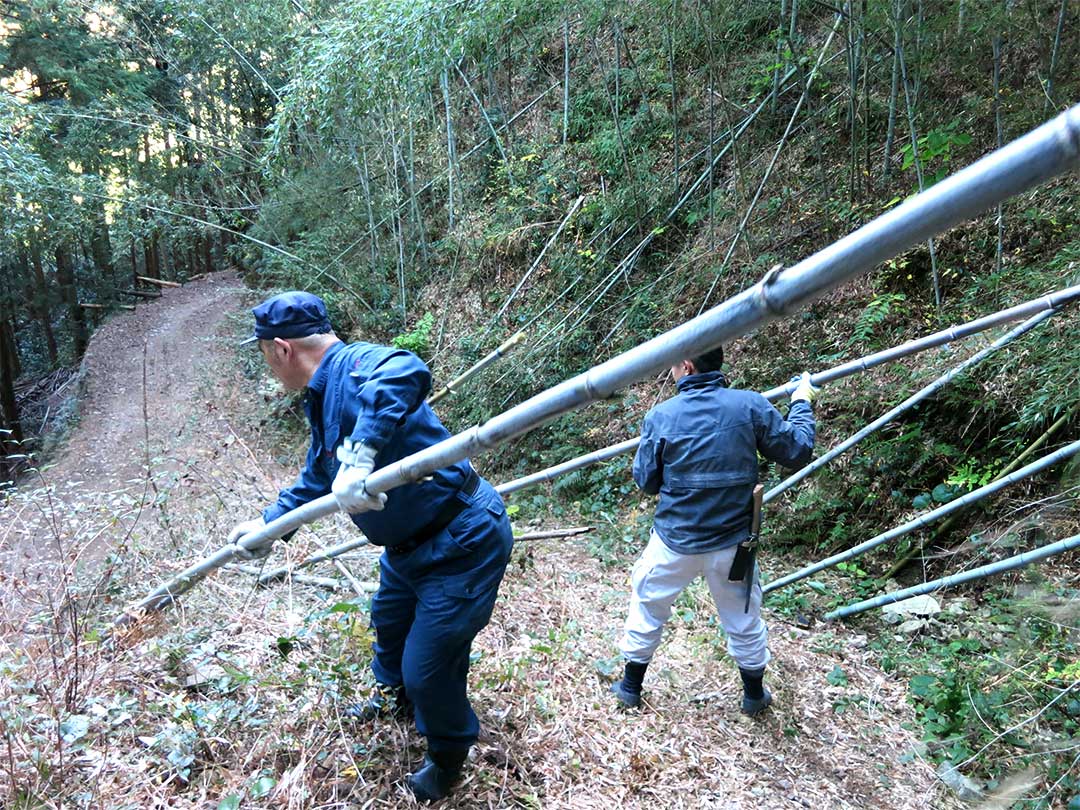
(699, 451)
(374, 394)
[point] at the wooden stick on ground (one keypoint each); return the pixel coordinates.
(106, 306)
(158, 281)
(306, 579)
(554, 533)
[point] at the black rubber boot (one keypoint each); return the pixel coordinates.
(438, 775)
(385, 701)
(628, 690)
(756, 698)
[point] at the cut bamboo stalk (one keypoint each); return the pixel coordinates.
(922, 394)
(1056, 299)
(139, 293)
(1016, 462)
(1001, 566)
(107, 306)
(503, 350)
(904, 529)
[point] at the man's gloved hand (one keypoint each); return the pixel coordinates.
(240, 531)
(357, 462)
(804, 391)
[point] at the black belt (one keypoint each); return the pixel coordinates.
(445, 516)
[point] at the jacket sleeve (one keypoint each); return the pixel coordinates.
(788, 442)
(313, 483)
(391, 383)
(649, 460)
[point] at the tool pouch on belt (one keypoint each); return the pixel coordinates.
(742, 566)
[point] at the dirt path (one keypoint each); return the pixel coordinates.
(140, 376)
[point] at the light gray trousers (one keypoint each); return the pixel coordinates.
(661, 574)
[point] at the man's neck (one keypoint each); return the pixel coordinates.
(313, 358)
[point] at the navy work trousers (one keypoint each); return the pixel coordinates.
(430, 605)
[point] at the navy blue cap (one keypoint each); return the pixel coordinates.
(292, 314)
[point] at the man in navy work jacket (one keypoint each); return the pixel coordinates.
(447, 538)
(699, 452)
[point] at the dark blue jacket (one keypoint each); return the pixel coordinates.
(374, 394)
(699, 452)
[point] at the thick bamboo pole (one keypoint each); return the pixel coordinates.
(983, 571)
(923, 520)
(1044, 303)
(1050, 150)
(578, 463)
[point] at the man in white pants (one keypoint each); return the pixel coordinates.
(699, 453)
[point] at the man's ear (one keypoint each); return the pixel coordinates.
(688, 367)
(283, 345)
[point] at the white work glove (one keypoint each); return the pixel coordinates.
(240, 531)
(357, 462)
(804, 391)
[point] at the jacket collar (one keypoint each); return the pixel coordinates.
(318, 380)
(704, 380)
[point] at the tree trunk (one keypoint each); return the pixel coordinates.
(65, 277)
(100, 244)
(40, 302)
(208, 252)
(12, 347)
(150, 257)
(451, 150)
(9, 412)
(134, 264)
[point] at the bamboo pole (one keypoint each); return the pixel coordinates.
(573, 464)
(1008, 564)
(923, 520)
(451, 387)
(923, 393)
(566, 79)
(1016, 462)
(1050, 150)
(1060, 298)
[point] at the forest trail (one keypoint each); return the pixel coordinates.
(551, 736)
(140, 378)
